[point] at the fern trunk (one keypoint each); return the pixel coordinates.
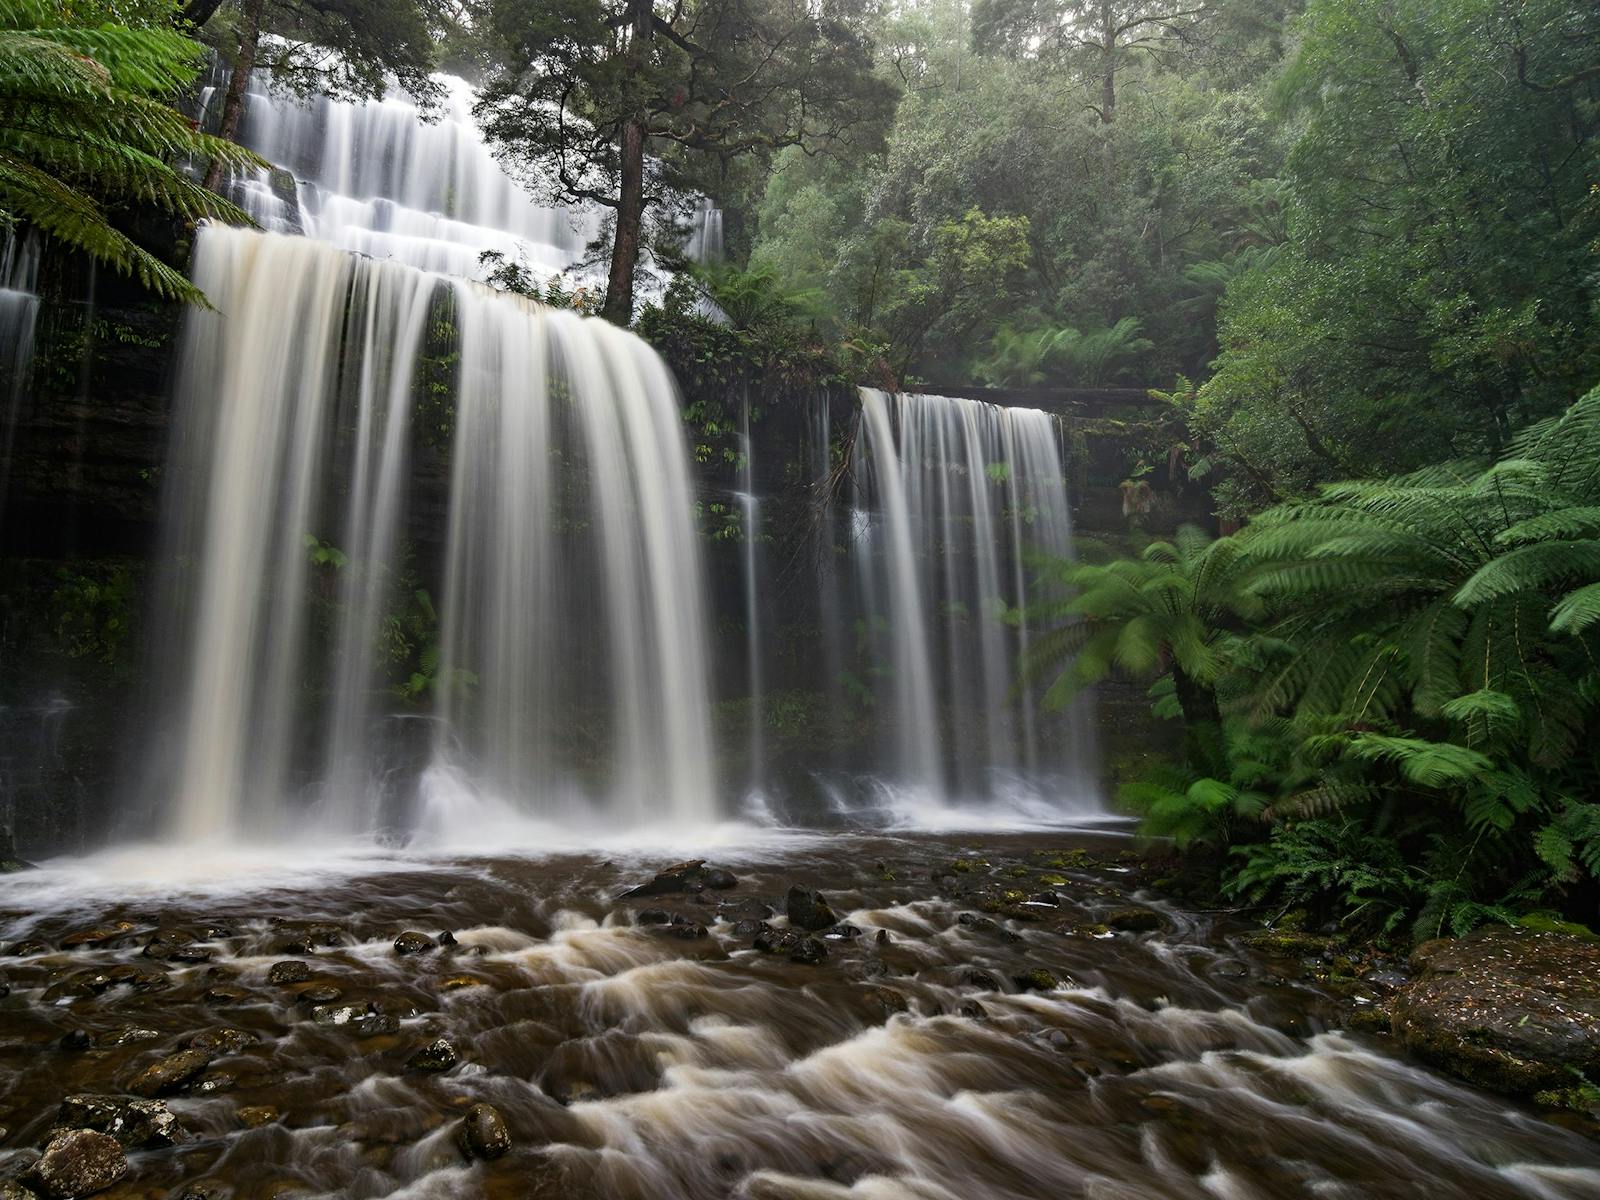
(1203, 743)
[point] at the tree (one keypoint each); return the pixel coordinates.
(86, 131)
(1435, 288)
(594, 88)
(1105, 34)
(343, 48)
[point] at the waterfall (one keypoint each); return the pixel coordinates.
(19, 312)
(568, 666)
(949, 497)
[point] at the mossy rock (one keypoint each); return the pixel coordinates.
(1510, 1009)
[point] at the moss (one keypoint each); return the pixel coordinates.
(1545, 923)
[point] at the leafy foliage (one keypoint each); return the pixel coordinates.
(87, 132)
(1398, 665)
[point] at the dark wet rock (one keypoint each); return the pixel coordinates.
(76, 1039)
(322, 933)
(413, 942)
(483, 1133)
(77, 1162)
(744, 910)
(1047, 899)
(1510, 1009)
(888, 1001)
(223, 996)
(201, 1191)
(136, 1124)
(843, 932)
(378, 1025)
(338, 1014)
(1133, 920)
(127, 1035)
(692, 876)
(175, 945)
(979, 924)
(5, 987)
(750, 928)
(653, 916)
(809, 952)
(777, 941)
(807, 909)
(10, 1189)
(320, 993)
(1037, 979)
(979, 978)
(446, 938)
(1052, 1039)
(27, 948)
(575, 1091)
(254, 1116)
(212, 1084)
(687, 930)
(437, 1055)
(101, 935)
(222, 1040)
(290, 970)
(170, 1074)
(973, 1010)
(883, 937)
(1386, 979)
(94, 982)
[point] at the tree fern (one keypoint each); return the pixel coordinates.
(86, 130)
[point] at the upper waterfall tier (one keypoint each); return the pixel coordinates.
(378, 178)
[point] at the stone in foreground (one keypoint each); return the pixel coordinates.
(1509, 1009)
(77, 1162)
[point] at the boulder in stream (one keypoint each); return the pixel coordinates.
(437, 1055)
(290, 970)
(413, 942)
(1510, 1009)
(483, 1132)
(808, 910)
(692, 876)
(170, 1074)
(136, 1124)
(77, 1162)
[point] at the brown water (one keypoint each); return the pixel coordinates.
(631, 1063)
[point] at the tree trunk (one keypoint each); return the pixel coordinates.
(630, 193)
(1108, 65)
(630, 220)
(1203, 742)
(238, 83)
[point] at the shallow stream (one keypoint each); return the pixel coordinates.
(928, 1055)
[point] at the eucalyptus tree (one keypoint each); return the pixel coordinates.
(620, 102)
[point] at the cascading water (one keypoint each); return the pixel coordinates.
(569, 662)
(949, 498)
(561, 641)
(377, 178)
(19, 312)
(560, 655)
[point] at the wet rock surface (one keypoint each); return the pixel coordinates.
(76, 1162)
(1004, 1018)
(1511, 1009)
